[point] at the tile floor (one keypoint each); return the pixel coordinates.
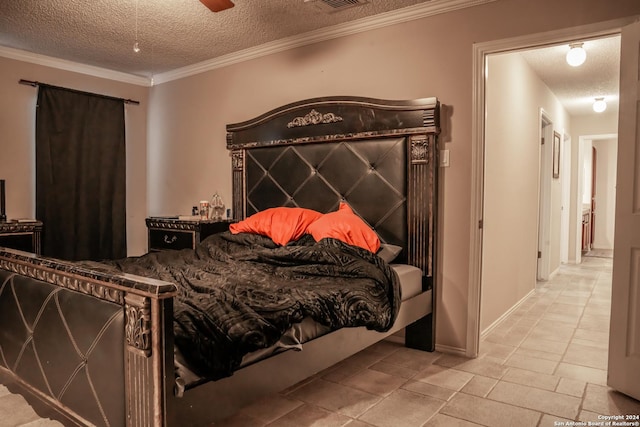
(16, 412)
(542, 366)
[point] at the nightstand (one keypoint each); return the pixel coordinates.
(24, 236)
(172, 233)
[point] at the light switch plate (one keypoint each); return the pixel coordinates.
(444, 158)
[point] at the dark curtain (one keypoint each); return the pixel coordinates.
(80, 174)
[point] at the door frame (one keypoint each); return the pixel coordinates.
(583, 140)
(544, 189)
(479, 68)
(566, 198)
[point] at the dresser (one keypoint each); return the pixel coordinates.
(24, 236)
(172, 233)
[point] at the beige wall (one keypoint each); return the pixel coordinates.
(17, 139)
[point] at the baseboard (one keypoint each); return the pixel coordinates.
(457, 351)
(506, 314)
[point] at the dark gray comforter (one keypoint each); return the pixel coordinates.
(240, 293)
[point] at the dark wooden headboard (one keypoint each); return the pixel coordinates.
(379, 156)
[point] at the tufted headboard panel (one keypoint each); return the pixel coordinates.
(369, 175)
(379, 156)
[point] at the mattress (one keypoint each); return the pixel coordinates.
(410, 280)
(410, 286)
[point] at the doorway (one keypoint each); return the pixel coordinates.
(598, 194)
(482, 202)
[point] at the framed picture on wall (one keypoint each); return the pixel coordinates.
(556, 155)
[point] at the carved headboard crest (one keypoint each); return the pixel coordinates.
(314, 118)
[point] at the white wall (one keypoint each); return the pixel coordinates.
(606, 168)
(514, 97)
(565, 182)
(587, 165)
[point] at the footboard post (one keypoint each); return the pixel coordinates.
(94, 347)
(148, 359)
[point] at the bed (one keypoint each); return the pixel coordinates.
(97, 347)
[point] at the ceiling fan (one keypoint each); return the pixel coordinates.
(217, 5)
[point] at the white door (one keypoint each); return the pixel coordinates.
(624, 335)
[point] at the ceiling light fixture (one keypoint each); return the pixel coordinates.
(136, 47)
(599, 105)
(576, 55)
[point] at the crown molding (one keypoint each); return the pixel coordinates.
(423, 10)
(76, 67)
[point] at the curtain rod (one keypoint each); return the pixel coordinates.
(36, 84)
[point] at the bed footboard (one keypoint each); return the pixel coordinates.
(91, 346)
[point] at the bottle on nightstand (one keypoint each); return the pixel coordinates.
(217, 207)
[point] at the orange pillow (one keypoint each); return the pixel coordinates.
(346, 226)
(280, 224)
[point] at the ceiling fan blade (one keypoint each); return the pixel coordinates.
(217, 5)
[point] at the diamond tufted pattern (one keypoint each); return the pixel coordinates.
(370, 176)
(67, 345)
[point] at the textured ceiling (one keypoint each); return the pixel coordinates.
(577, 87)
(171, 33)
(180, 34)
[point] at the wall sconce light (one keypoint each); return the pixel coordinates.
(576, 55)
(599, 105)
